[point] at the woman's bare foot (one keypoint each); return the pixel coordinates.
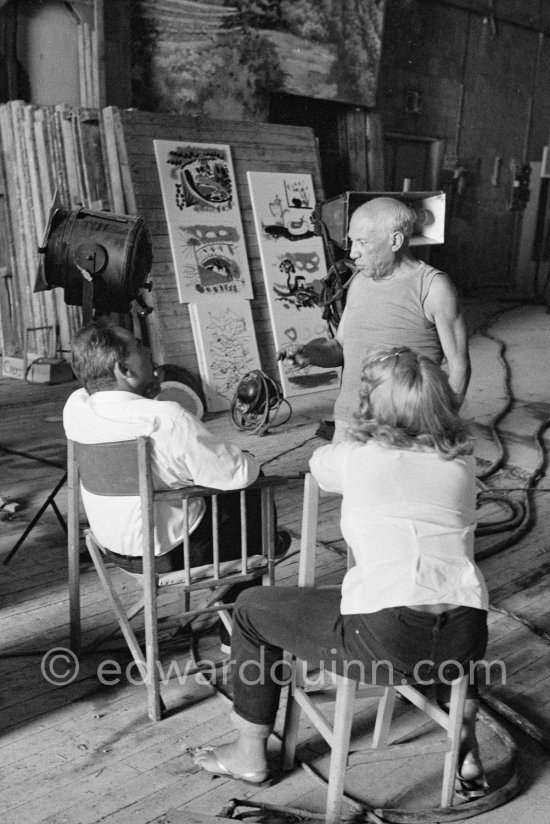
(244, 759)
(470, 768)
(470, 778)
(471, 781)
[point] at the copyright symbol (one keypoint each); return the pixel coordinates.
(59, 666)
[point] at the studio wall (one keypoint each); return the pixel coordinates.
(479, 84)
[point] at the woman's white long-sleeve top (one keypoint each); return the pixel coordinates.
(409, 518)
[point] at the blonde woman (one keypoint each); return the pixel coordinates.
(414, 606)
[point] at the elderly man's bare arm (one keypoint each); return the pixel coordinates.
(442, 307)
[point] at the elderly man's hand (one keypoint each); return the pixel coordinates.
(295, 353)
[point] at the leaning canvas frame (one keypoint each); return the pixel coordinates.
(226, 348)
(199, 194)
(293, 265)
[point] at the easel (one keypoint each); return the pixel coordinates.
(48, 502)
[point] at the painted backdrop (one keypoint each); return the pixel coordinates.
(222, 58)
(293, 265)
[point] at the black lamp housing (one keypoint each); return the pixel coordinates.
(95, 257)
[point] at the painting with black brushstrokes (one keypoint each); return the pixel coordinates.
(293, 265)
(226, 348)
(204, 221)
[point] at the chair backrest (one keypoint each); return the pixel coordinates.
(108, 468)
(310, 516)
(118, 468)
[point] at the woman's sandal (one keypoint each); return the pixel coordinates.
(469, 788)
(217, 767)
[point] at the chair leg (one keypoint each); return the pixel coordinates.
(152, 674)
(129, 636)
(343, 718)
(454, 729)
(212, 604)
(74, 590)
(184, 603)
(292, 717)
(102, 639)
(73, 546)
(226, 620)
(384, 717)
(290, 733)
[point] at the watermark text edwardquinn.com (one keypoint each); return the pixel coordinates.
(61, 666)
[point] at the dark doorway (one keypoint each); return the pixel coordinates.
(411, 162)
(337, 126)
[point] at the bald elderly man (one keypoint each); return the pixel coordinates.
(393, 299)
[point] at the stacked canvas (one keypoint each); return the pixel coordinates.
(42, 149)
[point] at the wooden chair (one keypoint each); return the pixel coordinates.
(338, 733)
(124, 468)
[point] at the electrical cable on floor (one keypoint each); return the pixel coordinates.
(525, 621)
(528, 519)
(296, 813)
(516, 719)
(493, 425)
(516, 511)
(286, 451)
(544, 489)
(520, 520)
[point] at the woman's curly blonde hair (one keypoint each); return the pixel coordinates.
(406, 402)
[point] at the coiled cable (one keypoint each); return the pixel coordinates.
(257, 403)
(521, 516)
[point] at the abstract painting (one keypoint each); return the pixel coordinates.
(204, 221)
(226, 348)
(293, 266)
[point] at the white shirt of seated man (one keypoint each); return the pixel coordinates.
(184, 452)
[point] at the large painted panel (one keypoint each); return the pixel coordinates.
(226, 348)
(293, 266)
(204, 221)
(223, 59)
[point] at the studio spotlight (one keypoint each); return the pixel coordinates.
(100, 260)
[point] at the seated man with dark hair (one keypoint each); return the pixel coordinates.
(117, 403)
